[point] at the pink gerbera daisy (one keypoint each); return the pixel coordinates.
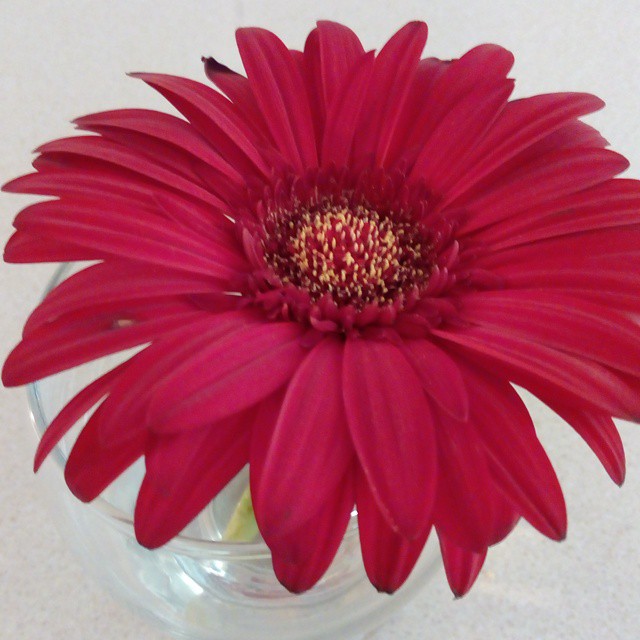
(336, 267)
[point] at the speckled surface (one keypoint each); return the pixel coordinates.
(64, 58)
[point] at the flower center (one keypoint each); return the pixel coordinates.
(355, 254)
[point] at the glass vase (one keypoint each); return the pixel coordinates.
(199, 586)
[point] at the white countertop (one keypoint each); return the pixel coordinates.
(64, 58)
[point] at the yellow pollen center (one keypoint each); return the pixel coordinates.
(354, 254)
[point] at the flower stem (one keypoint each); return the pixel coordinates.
(242, 526)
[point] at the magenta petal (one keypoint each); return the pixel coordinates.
(541, 369)
(116, 282)
(609, 204)
(517, 460)
(302, 557)
(184, 473)
(394, 69)
(344, 113)
(393, 432)
(522, 123)
(440, 377)
(591, 249)
(127, 405)
(562, 322)
(214, 118)
(130, 233)
(62, 345)
(98, 149)
(505, 518)
(547, 176)
(237, 89)
(300, 469)
(74, 410)
(105, 183)
(163, 127)
(280, 92)
(27, 247)
(461, 566)
(226, 376)
(464, 510)
(404, 140)
(266, 416)
(92, 467)
(388, 557)
(452, 139)
(339, 50)
(447, 84)
(598, 430)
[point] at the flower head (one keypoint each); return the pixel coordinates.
(336, 267)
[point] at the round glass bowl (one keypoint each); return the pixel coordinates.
(198, 586)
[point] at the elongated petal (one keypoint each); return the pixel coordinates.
(611, 203)
(464, 509)
(237, 88)
(451, 82)
(214, 118)
(94, 148)
(522, 123)
(537, 367)
(455, 135)
(74, 410)
(614, 287)
(394, 69)
(184, 473)
(440, 377)
(562, 322)
(28, 247)
(226, 377)
(404, 140)
(302, 558)
(266, 416)
(105, 186)
(116, 282)
(127, 406)
(388, 557)
(296, 456)
(393, 432)
(78, 182)
(330, 52)
(518, 462)
(129, 234)
(461, 566)
(339, 48)
(344, 112)
(60, 346)
(505, 518)
(597, 248)
(92, 467)
(280, 92)
(546, 177)
(163, 127)
(599, 432)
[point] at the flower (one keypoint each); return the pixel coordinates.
(335, 268)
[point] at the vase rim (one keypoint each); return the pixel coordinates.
(118, 517)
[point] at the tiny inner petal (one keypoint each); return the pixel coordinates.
(352, 252)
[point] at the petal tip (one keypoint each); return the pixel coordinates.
(12, 186)
(147, 540)
(11, 378)
(385, 590)
(212, 66)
